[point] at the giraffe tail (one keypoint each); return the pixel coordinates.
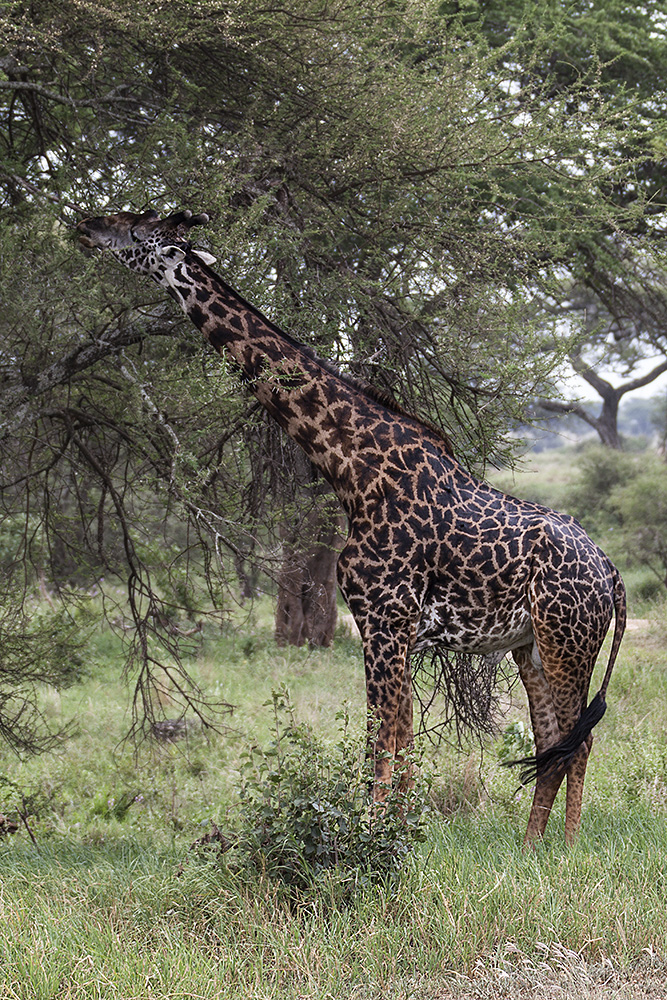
(557, 759)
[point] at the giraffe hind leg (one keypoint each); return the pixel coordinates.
(559, 756)
(569, 757)
(557, 690)
(575, 789)
(546, 732)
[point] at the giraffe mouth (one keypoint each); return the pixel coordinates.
(92, 236)
(85, 235)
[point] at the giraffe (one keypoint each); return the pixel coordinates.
(433, 556)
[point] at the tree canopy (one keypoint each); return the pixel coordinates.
(612, 293)
(396, 183)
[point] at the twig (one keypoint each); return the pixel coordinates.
(33, 189)
(23, 813)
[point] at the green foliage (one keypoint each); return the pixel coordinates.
(640, 504)
(50, 644)
(649, 589)
(306, 808)
(623, 498)
(644, 778)
(612, 296)
(389, 183)
(516, 742)
(600, 471)
(109, 806)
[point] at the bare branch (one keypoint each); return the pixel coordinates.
(554, 406)
(602, 387)
(111, 96)
(643, 380)
(17, 399)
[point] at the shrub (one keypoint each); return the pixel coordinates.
(622, 499)
(516, 742)
(601, 470)
(640, 505)
(649, 589)
(307, 810)
(41, 644)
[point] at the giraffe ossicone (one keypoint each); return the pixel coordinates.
(434, 557)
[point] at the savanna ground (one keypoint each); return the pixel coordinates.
(100, 896)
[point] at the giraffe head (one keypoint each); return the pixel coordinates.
(143, 242)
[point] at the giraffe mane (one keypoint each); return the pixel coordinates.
(185, 220)
(367, 389)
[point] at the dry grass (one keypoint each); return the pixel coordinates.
(560, 974)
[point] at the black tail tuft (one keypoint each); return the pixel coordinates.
(558, 757)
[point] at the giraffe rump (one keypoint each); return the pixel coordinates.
(466, 682)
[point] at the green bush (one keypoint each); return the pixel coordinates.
(601, 470)
(640, 506)
(516, 742)
(40, 644)
(649, 589)
(307, 809)
(622, 499)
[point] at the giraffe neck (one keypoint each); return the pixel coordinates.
(333, 420)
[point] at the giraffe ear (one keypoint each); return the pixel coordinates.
(205, 258)
(174, 255)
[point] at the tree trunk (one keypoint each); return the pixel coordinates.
(607, 423)
(247, 579)
(306, 608)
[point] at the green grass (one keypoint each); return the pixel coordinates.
(121, 922)
(116, 907)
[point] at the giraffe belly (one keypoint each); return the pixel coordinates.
(473, 630)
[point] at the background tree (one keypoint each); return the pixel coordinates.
(385, 182)
(611, 299)
(605, 421)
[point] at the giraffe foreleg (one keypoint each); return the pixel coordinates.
(405, 730)
(386, 611)
(389, 700)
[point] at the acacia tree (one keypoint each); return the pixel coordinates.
(605, 422)
(374, 186)
(610, 300)
(621, 329)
